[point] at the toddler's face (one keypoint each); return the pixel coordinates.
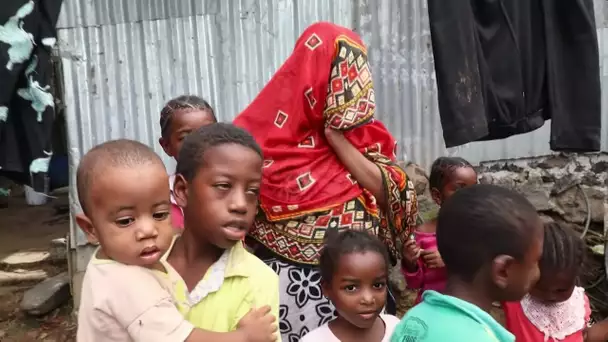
(183, 122)
(459, 178)
(359, 287)
(129, 212)
(554, 287)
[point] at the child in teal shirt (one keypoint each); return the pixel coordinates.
(491, 240)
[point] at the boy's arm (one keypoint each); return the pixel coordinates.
(264, 292)
(147, 312)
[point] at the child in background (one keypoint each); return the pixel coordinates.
(556, 309)
(354, 268)
(215, 280)
(422, 265)
(123, 293)
(491, 240)
(178, 118)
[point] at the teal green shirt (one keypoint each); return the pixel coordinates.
(441, 318)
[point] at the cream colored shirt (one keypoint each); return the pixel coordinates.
(128, 303)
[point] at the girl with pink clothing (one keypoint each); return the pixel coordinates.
(421, 264)
(178, 118)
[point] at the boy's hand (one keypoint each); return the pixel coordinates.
(432, 259)
(411, 253)
(258, 325)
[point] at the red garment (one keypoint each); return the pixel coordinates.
(325, 82)
(425, 278)
(519, 325)
(177, 217)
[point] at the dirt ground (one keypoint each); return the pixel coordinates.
(25, 228)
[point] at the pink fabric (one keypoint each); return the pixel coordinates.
(425, 278)
(177, 217)
(519, 325)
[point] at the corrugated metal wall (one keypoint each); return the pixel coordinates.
(122, 59)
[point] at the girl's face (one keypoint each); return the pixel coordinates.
(459, 178)
(554, 287)
(358, 288)
(183, 122)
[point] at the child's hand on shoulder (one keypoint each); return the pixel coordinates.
(432, 259)
(258, 325)
(411, 253)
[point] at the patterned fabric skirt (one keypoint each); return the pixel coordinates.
(302, 305)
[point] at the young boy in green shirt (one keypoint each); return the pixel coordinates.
(491, 241)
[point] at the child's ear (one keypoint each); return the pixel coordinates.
(87, 227)
(502, 268)
(436, 196)
(180, 190)
(165, 145)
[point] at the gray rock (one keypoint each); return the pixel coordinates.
(59, 249)
(599, 167)
(539, 198)
(47, 296)
(21, 276)
(25, 259)
(573, 205)
(555, 161)
(396, 279)
(486, 179)
(417, 175)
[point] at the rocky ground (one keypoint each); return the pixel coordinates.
(33, 273)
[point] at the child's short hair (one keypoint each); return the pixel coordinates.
(182, 102)
(114, 153)
(479, 223)
(350, 241)
(563, 249)
(442, 168)
(191, 155)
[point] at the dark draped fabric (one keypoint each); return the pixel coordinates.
(27, 36)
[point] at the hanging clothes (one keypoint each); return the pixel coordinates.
(504, 67)
(27, 36)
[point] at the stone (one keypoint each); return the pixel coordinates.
(25, 258)
(486, 179)
(555, 161)
(396, 280)
(21, 276)
(418, 176)
(59, 249)
(513, 168)
(535, 177)
(47, 296)
(427, 208)
(591, 179)
(599, 167)
(573, 205)
(505, 179)
(539, 198)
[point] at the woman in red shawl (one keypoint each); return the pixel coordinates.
(328, 165)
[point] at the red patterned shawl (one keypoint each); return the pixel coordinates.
(325, 82)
